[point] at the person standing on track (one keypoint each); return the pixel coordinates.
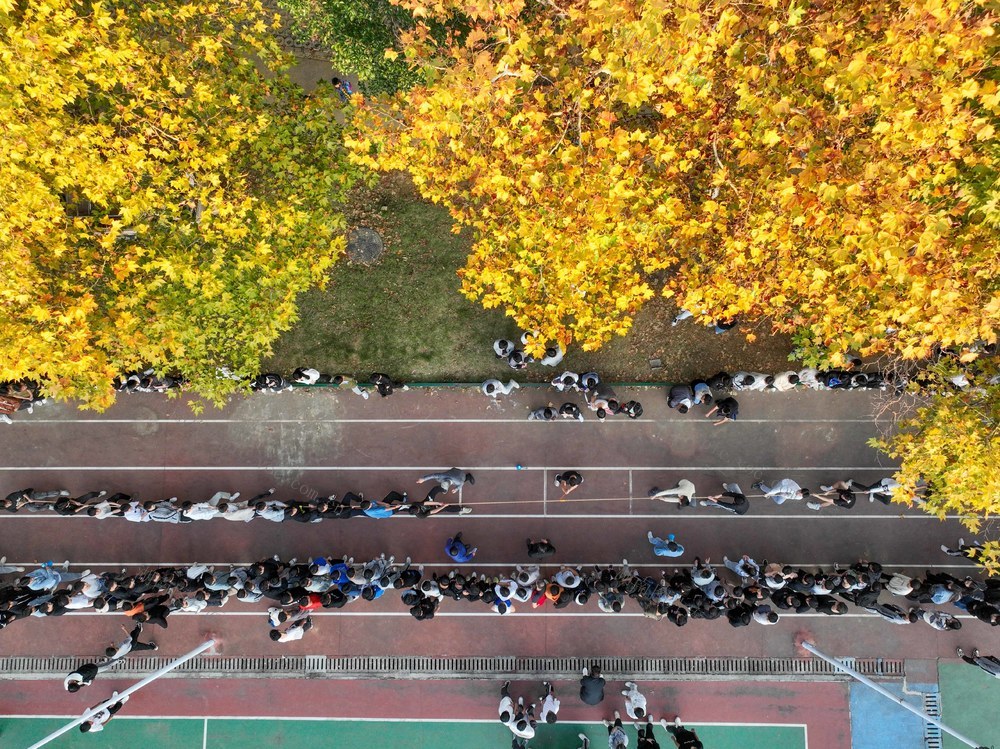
(683, 737)
(458, 551)
(550, 705)
(568, 481)
(453, 479)
(646, 738)
(592, 686)
(129, 645)
(665, 548)
(635, 701)
(540, 549)
(617, 738)
(988, 663)
(97, 723)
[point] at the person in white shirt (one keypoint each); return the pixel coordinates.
(568, 578)
(765, 615)
(136, 513)
(495, 388)
(550, 705)
(553, 355)
(750, 381)
(506, 709)
(295, 631)
(99, 720)
(528, 575)
(635, 701)
(810, 378)
(166, 511)
(566, 381)
(273, 510)
(784, 381)
(782, 491)
(683, 493)
(237, 511)
(305, 376)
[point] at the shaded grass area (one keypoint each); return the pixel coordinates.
(404, 315)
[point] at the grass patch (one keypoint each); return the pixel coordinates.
(404, 315)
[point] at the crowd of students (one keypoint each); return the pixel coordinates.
(746, 593)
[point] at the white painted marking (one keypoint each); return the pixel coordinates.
(26, 421)
(783, 470)
(133, 716)
(482, 614)
(476, 565)
(204, 736)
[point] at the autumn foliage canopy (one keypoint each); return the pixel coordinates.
(830, 165)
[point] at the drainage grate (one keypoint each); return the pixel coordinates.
(932, 706)
(469, 667)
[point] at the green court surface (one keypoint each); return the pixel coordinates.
(970, 702)
(226, 733)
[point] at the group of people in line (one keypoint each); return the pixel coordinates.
(599, 397)
(229, 506)
(522, 721)
(754, 593)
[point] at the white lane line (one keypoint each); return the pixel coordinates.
(914, 515)
(475, 565)
(404, 420)
(204, 736)
(783, 470)
(545, 491)
(313, 719)
(262, 614)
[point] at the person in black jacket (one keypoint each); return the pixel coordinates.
(592, 686)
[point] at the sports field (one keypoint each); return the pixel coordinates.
(225, 733)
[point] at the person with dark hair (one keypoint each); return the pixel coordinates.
(635, 701)
(683, 737)
(384, 384)
(566, 381)
(632, 409)
(494, 388)
(727, 408)
(646, 738)
(683, 493)
(665, 547)
(129, 645)
(681, 397)
(592, 686)
(506, 709)
(96, 723)
(458, 551)
(83, 676)
(782, 491)
(570, 411)
(550, 705)
(545, 413)
(702, 393)
(502, 348)
(453, 479)
(842, 497)
(568, 481)
(540, 549)
(295, 631)
(739, 506)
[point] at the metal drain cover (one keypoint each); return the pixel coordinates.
(364, 245)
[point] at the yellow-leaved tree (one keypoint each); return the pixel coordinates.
(952, 445)
(163, 201)
(829, 165)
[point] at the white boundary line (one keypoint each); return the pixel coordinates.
(261, 614)
(476, 565)
(204, 736)
(405, 420)
(885, 470)
(814, 515)
(327, 719)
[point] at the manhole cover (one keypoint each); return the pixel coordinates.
(364, 245)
